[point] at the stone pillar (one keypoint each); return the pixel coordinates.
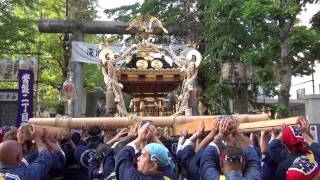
(312, 104)
(77, 69)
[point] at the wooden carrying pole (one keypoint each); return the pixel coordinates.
(120, 122)
(268, 125)
(41, 130)
(248, 123)
(245, 127)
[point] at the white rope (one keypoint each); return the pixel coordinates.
(110, 80)
(191, 75)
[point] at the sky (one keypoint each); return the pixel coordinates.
(104, 4)
(304, 16)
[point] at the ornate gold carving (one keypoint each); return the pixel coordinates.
(156, 64)
(146, 25)
(142, 64)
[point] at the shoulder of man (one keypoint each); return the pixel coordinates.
(284, 166)
(8, 176)
(13, 173)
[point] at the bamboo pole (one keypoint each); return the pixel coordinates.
(120, 122)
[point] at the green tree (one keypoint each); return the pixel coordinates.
(19, 32)
(226, 40)
(184, 14)
(16, 31)
(293, 48)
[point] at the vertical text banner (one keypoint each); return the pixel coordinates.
(25, 96)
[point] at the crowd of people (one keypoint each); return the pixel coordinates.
(225, 152)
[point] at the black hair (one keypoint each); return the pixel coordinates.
(94, 131)
(120, 145)
(233, 152)
(101, 151)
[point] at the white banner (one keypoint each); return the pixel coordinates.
(85, 52)
(89, 53)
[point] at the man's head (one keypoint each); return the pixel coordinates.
(232, 159)
(293, 139)
(9, 133)
(303, 168)
(102, 151)
(10, 153)
(153, 159)
(119, 145)
(93, 134)
(12, 135)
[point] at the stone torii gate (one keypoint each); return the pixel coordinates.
(78, 29)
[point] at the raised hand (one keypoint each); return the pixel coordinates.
(263, 133)
(20, 135)
(303, 124)
(53, 145)
(121, 133)
(223, 128)
(284, 125)
(215, 127)
(33, 132)
(274, 133)
(233, 125)
(36, 137)
(201, 129)
(153, 131)
(153, 134)
(198, 133)
(133, 131)
(184, 132)
(143, 133)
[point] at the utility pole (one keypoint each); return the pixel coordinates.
(313, 90)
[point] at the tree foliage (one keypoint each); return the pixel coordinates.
(19, 31)
(227, 39)
(186, 14)
(293, 48)
(14, 28)
(260, 33)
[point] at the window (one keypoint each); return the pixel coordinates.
(301, 93)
